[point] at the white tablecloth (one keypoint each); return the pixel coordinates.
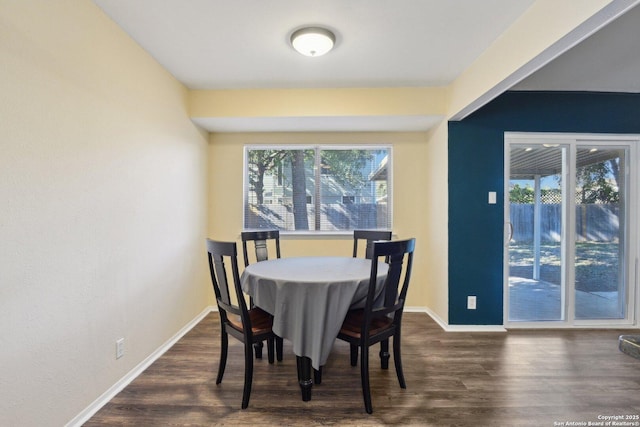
(309, 297)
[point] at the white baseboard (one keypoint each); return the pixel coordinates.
(475, 328)
(94, 407)
(456, 328)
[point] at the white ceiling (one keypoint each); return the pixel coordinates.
(222, 44)
(608, 61)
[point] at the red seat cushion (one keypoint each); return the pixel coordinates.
(261, 321)
(352, 324)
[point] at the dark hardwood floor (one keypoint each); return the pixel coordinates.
(519, 378)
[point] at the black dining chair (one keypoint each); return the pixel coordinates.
(249, 326)
(260, 239)
(368, 237)
(383, 320)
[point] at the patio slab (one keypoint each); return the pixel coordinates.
(537, 300)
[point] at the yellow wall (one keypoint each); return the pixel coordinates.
(317, 102)
(103, 217)
(410, 206)
(434, 226)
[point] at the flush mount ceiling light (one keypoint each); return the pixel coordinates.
(313, 41)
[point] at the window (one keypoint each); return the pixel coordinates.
(317, 188)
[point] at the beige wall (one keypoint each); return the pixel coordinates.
(103, 190)
(333, 102)
(437, 218)
(410, 206)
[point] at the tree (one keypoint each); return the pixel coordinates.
(521, 195)
(345, 166)
(299, 190)
(261, 162)
(595, 182)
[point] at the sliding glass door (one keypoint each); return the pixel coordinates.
(537, 222)
(568, 241)
(600, 197)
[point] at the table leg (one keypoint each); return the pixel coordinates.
(304, 377)
(317, 376)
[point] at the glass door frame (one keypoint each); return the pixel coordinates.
(570, 141)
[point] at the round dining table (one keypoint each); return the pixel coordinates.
(309, 298)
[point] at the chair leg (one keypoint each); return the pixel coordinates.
(384, 354)
(258, 349)
(248, 375)
(270, 349)
(397, 359)
(224, 345)
(279, 345)
(317, 376)
(364, 374)
(353, 352)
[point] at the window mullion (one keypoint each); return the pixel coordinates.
(317, 174)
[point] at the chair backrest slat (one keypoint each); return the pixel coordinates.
(369, 236)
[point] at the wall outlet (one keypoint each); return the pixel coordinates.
(471, 302)
(493, 197)
(119, 348)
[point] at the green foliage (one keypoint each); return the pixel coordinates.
(595, 184)
(521, 195)
(345, 165)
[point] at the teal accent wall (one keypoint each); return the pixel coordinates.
(476, 166)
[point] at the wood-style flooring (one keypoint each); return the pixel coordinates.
(518, 378)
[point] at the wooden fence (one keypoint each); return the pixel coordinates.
(597, 223)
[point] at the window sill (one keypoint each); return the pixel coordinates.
(316, 235)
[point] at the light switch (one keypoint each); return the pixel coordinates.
(492, 197)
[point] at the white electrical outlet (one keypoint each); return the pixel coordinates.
(119, 348)
(471, 302)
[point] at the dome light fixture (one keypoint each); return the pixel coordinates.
(313, 41)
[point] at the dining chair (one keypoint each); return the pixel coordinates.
(368, 236)
(383, 320)
(247, 325)
(260, 240)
